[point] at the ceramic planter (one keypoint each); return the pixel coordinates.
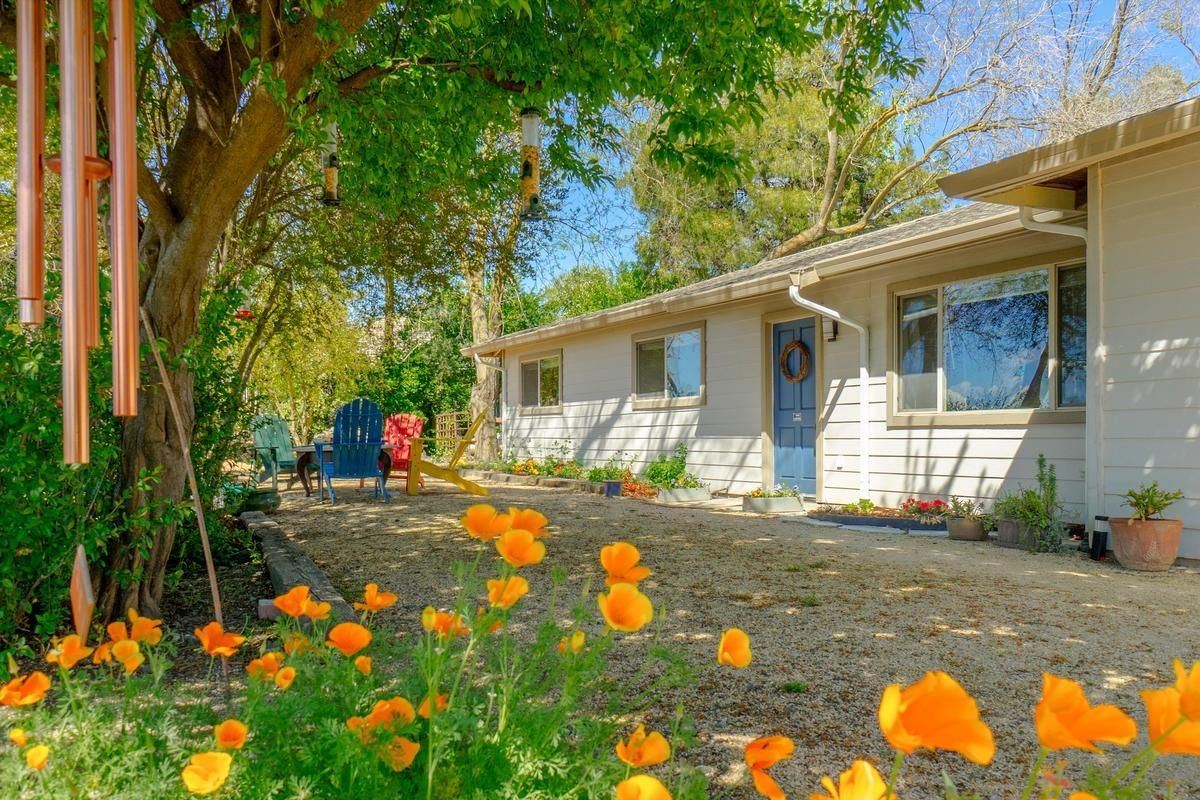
(1145, 544)
(966, 530)
(684, 495)
(1011, 533)
(772, 505)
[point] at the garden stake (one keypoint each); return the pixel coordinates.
(191, 473)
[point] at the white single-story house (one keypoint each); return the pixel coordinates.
(1056, 313)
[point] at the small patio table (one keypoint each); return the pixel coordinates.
(305, 453)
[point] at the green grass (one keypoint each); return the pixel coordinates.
(794, 568)
(810, 601)
(794, 687)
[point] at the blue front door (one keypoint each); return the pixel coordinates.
(795, 406)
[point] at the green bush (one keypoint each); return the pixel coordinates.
(1038, 510)
(665, 471)
(614, 469)
(46, 507)
(1149, 501)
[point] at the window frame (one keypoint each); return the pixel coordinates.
(1053, 263)
(649, 403)
(537, 358)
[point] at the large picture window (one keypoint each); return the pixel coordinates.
(669, 367)
(1009, 342)
(541, 382)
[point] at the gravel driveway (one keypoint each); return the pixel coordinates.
(833, 616)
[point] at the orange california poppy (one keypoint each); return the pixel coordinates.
(363, 664)
(1082, 796)
(644, 750)
(230, 734)
(484, 523)
(527, 519)
(144, 629)
(734, 649)
(400, 753)
(295, 642)
(935, 713)
(129, 654)
(493, 626)
(265, 666)
(443, 623)
(861, 782)
(767, 751)
(117, 631)
(25, 691)
(375, 600)
(216, 641)
(349, 638)
(1064, 719)
(765, 785)
(505, 592)
(574, 643)
(1163, 710)
(103, 653)
(17, 736)
(1187, 683)
(285, 677)
(37, 756)
(443, 700)
(293, 601)
(519, 548)
(205, 773)
(620, 561)
(625, 608)
(390, 715)
(642, 787)
(68, 651)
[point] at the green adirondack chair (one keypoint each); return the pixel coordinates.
(273, 450)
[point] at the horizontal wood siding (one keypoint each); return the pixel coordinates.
(1150, 239)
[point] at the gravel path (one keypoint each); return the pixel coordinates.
(833, 616)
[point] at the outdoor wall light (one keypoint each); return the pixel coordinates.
(82, 169)
(531, 143)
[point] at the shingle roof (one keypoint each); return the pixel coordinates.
(786, 265)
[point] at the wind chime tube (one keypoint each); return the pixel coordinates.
(72, 109)
(31, 133)
(122, 123)
(91, 152)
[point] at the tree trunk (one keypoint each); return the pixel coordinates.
(485, 325)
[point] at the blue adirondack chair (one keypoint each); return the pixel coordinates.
(354, 452)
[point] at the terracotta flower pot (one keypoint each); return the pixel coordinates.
(1145, 544)
(1011, 533)
(966, 530)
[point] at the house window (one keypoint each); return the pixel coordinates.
(1015, 341)
(541, 382)
(669, 368)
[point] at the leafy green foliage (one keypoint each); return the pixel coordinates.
(46, 507)
(665, 471)
(1149, 502)
(615, 469)
(1038, 510)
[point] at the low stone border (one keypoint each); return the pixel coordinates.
(574, 484)
(288, 565)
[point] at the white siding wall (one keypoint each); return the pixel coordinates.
(1150, 240)
(725, 437)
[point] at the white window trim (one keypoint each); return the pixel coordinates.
(1055, 414)
(536, 358)
(650, 403)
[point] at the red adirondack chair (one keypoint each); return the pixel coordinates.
(400, 430)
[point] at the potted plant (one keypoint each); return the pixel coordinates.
(1031, 518)
(686, 488)
(1147, 541)
(779, 499)
(965, 520)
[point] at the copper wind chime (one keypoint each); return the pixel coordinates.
(82, 170)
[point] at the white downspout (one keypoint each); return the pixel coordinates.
(1029, 223)
(864, 380)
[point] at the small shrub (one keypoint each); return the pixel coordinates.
(665, 470)
(1038, 510)
(612, 470)
(1149, 501)
(810, 601)
(794, 687)
(862, 506)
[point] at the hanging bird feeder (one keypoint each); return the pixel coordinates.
(330, 164)
(243, 313)
(82, 170)
(531, 145)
